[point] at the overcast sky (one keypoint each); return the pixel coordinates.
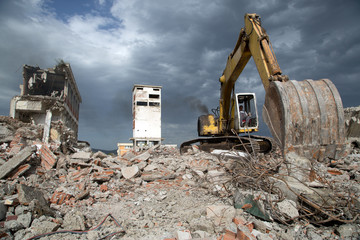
(181, 45)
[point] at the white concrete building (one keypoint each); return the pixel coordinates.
(146, 110)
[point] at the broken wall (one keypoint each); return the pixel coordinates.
(44, 90)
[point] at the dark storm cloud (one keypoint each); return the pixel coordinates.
(197, 105)
(180, 45)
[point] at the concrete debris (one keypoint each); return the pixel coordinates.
(15, 161)
(31, 196)
(288, 208)
(3, 210)
(59, 188)
(297, 167)
(99, 154)
(47, 95)
(74, 221)
(48, 158)
(81, 155)
(221, 214)
(130, 172)
(352, 122)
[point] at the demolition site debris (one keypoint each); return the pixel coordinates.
(61, 191)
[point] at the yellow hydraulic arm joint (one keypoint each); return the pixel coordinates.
(253, 41)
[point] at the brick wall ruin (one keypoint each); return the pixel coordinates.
(48, 95)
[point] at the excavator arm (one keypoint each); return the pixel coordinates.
(305, 117)
(252, 42)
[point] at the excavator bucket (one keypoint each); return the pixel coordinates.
(306, 117)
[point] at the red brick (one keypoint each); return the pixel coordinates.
(48, 159)
(79, 174)
(239, 221)
(103, 187)
(11, 217)
(229, 235)
(102, 176)
(80, 185)
(244, 234)
(20, 171)
(62, 178)
(59, 198)
(16, 145)
(199, 164)
(97, 162)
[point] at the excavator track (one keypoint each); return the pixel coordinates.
(250, 144)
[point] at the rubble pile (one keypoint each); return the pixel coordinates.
(66, 191)
(352, 124)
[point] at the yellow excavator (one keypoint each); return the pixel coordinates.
(305, 117)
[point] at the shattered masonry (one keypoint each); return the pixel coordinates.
(160, 194)
(48, 95)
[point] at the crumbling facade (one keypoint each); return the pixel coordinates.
(48, 95)
(146, 110)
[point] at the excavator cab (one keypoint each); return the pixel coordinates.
(246, 115)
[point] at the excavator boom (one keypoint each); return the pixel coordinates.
(303, 116)
(306, 117)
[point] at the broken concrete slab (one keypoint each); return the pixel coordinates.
(27, 195)
(41, 227)
(16, 161)
(25, 219)
(218, 176)
(296, 166)
(81, 155)
(141, 157)
(156, 175)
(142, 165)
(150, 167)
(348, 231)
(13, 225)
(99, 154)
(292, 188)
(151, 176)
(3, 210)
(74, 221)
(288, 208)
(6, 133)
(221, 214)
(183, 235)
(130, 172)
(129, 155)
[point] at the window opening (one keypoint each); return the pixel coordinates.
(154, 96)
(141, 103)
(154, 104)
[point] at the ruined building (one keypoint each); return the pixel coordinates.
(146, 109)
(48, 95)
